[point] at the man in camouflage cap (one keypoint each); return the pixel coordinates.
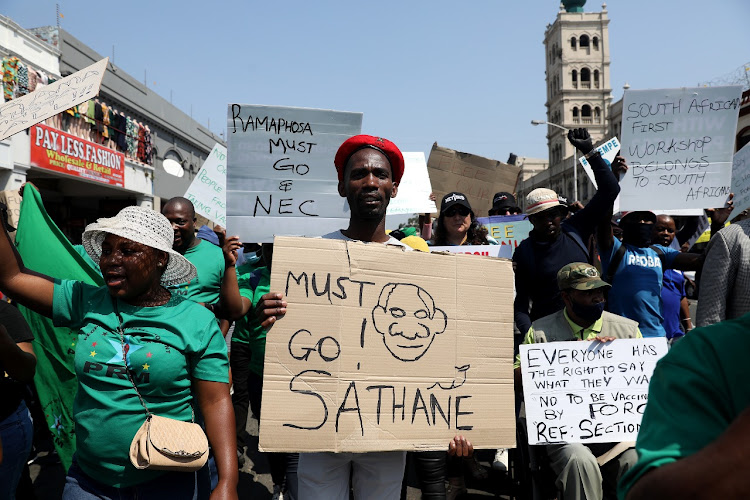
(578, 474)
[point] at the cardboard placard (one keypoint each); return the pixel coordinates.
(208, 191)
(741, 180)
(587, 392)
(382, 349)
(508, 230)
(58, 151)
(497, 251)
(679, 145)
(477, 177)
(414, 189)
(281, 179)
(20, 114)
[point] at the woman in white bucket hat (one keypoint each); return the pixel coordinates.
(170, 347)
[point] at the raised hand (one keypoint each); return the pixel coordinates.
(581, 140)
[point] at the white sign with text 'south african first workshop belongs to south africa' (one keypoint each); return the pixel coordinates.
(679, 145)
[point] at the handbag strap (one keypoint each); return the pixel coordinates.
(121, 332)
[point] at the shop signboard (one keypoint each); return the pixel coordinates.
(55, 150)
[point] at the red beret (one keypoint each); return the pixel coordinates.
(354, 144)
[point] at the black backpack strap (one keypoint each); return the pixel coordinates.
(578, 241)
(660, 253)
(614, 264)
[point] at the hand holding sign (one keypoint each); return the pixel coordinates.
(271, 307)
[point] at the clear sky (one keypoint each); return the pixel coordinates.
(469, 75)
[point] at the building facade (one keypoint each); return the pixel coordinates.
(153, 149)
(578, 93)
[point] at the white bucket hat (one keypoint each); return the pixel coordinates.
(145, 226)
(542, 199)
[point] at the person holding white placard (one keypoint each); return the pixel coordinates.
(579, 474)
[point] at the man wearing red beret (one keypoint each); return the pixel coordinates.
(369, 170)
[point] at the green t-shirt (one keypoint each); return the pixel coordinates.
(698, 389)
(80, 250)
(208, 259)
(247, 329)
(167, 346)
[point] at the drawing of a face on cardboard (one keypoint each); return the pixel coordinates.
(408, 320)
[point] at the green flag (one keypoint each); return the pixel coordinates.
(46, 250)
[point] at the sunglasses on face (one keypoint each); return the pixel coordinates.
(463, 211)
(505, 211)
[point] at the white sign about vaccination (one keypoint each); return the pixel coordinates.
(679, 145)
(741, 180)
(280, 173)
(208, 191)
(414, 189)
(587, 392)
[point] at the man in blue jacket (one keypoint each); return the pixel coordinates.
(553, 242)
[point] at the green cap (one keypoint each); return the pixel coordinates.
(579, 276)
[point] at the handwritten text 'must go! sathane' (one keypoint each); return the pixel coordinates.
(393, 403)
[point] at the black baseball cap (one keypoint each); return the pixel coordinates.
(452, 199)
(504, 200)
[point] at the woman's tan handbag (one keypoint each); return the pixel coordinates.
(168, 444)
(164, 443)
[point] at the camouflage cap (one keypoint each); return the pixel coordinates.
(579, 276)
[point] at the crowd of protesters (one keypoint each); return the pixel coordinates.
(202, 303)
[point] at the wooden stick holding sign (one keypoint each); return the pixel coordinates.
(24, 112)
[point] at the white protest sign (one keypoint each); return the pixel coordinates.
(608, 150)
(20, 114)
(208, 191)
(414, 189)
(741, 180)
(587, 392)
(504, 251)
(679, 145)
(280, 177)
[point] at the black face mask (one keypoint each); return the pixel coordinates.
(636, 233)
(590, 312)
